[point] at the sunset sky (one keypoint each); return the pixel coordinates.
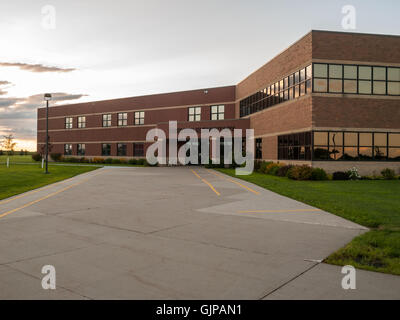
(112, 49)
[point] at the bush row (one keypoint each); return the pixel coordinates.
(303, 172)
(59, 158)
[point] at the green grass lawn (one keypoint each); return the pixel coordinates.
(16, 158)
(21, 178)
(374, 204)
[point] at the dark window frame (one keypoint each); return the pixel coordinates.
(106, 120)
(103, 153)
(122, 119)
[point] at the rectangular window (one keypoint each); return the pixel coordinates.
(309, 72)
(217, 112)
(379, 87)
(81, 148)
(68, 123)
(394, 88)
(350, 86)
(81, 122)
(350, 72)
(364, 87)
(194, 113)
(258, 148)
(394, 74)
(379, 73)
(106, 149)
(394, 139)
(364, 73)
(138, 149)
(68, 149)
(320, 70)
(122, 119)
(139, 117)
(106, 120)
(320, 85)
(121, 149)
(335, 86)
(335, 71)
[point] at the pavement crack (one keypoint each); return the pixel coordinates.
(290, 280)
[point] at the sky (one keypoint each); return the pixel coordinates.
(88, 50)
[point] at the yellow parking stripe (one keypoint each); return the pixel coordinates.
(206, 182)
(276, 211)
(236, 182)
(43, 198)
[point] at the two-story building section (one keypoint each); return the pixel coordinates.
(331, 100)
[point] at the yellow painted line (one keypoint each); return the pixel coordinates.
(43, 198)
(276, 211)
(236, 182)
(207, 183)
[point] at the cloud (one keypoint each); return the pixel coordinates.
(35, 67)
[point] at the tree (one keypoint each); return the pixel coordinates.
(42, 149)
(9, 144)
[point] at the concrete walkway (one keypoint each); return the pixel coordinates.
(173, 233)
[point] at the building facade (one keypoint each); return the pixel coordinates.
(331, 100)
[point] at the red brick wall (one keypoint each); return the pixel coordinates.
(355, 112)
(357, 47)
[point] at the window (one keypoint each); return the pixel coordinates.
(194, 113)
(138, 149)
(106, 149)
(68, 149)
(122, 119)
(139, 117)
(81, 149)
(68, 123)
(356, 146)
(296, 146)
(121, 149)
(106, 120)
(217, 112)
(81, 122)
(258, 148)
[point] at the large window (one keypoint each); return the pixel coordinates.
(122, 119)
(68, 149)
(106, 149)
(258, 148)
(356, 79)
(291, 87)
(194, 114)
(106, 120)
(218, 112)
(340, 145)
(296, 146)
(81, 148)
(81, 122)
(138, 149)
(139, 117)
(68, 123)
(356, 146)
(121, 149)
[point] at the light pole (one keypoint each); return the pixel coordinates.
(47, 97)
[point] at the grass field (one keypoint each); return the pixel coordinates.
(21, 178)
(16, 158)
(374, 204)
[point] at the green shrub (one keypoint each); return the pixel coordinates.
(264, 166)
(283, 171)
(257, 165)
(132, 161)
(303, 172)
(108, 160)
(318, 174)
(141, 162)
(56, 156)
(273, 169)
(36, 157)
(115, 161)
(340, 175)
(388, 174)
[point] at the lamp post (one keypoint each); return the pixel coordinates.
(47, 97)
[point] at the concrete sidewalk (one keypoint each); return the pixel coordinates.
(173, 233)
